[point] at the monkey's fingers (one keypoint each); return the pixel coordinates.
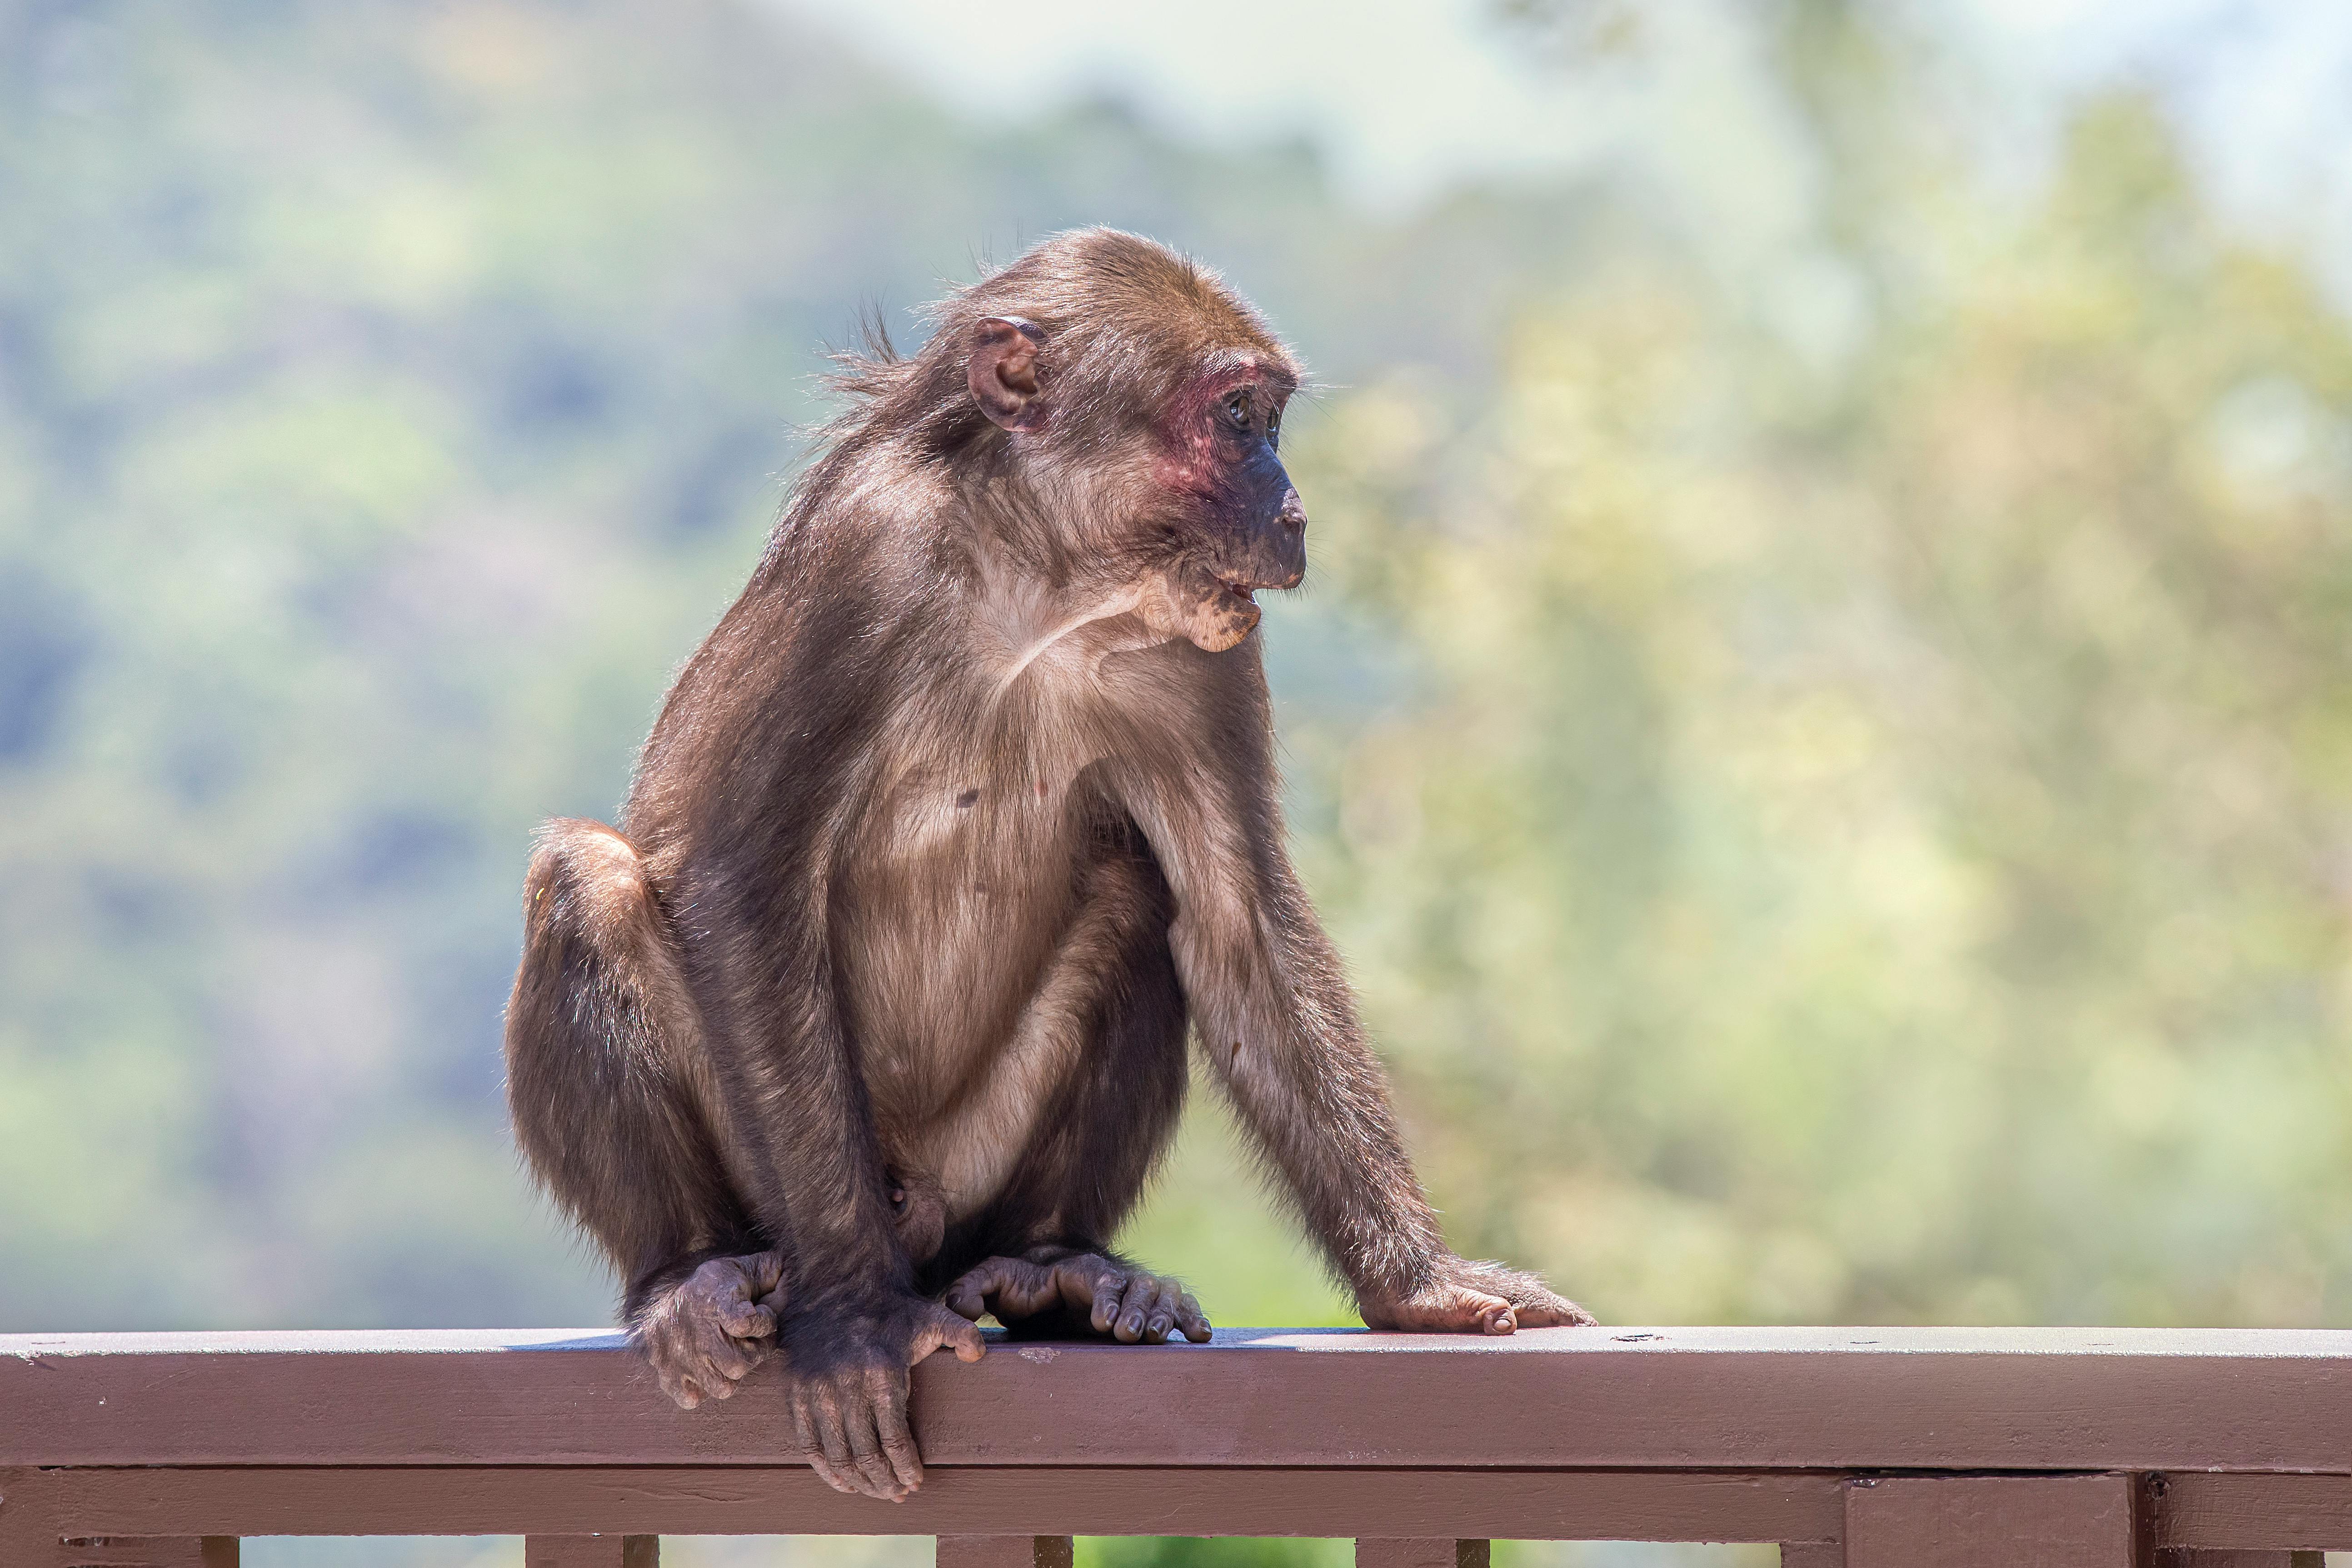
(728, 1291)
(967, 1298)
(676, 1365)
(1175, 1313)
(746, 1321)
(897, 1438)
(831, 1456)
(683, 1390)
(981, 1289)
(1107, 1290)
(1448, 1307)
(1005, 1286)
(1487, 1314)
(874, 1477)
(1534, 1304)
(1136, 1305)
(1160, 1318)
(942, 1330)
(805, 1438)
(724, 1359)
(1078, 1284)
(1034, 1287)
(763, 1272)
(1556, 1312)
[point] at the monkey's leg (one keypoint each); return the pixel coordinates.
(1100, 1136)
(606, 1076)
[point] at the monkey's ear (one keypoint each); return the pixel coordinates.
(1003, 371)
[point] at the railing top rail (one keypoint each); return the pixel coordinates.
(1741, 1342)
(1669, 1398)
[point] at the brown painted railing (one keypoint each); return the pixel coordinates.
(1870, 1448)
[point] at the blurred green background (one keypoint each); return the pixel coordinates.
(1821, 719)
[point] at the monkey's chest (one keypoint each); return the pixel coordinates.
(972, 961)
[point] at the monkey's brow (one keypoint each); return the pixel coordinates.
(1253, 361)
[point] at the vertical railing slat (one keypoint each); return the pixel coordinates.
(1813, 1554)
(1376, 1552)
(591, 1552)
(1002, 1552)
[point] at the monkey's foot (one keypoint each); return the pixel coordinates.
(1114, 1298)
(705, 1332)
(1466, 1297)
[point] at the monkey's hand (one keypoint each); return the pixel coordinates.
(705, 1332)
(1115, 1298)
(846, 1384)
(1465, 1298)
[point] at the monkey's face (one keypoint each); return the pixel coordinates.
(1222, 520)
(1240, 525)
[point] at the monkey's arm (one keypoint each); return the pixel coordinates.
(802, 1147)
(1278, 1025)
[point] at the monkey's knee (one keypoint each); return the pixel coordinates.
(583, 873)
(597, 949)
(601, 1046)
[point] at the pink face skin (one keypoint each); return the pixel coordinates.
(1218, 450)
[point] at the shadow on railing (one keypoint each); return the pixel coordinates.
(1860, 1448)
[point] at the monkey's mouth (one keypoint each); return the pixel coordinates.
(1244, 587)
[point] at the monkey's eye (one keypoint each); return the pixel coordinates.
(1238, 409)
(1274, 429)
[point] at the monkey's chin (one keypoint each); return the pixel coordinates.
(1191, 602)
(1222, 619)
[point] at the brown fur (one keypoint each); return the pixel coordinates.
(961, 819)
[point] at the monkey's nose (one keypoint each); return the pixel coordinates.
(1294, 510)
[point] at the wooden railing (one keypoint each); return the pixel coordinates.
(1860, 1448)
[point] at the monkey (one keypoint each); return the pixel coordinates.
(872, 1015)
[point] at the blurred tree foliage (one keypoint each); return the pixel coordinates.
(1868, 841)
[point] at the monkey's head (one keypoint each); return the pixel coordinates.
(1142, 399)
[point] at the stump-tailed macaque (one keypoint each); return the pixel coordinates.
(871, 1015)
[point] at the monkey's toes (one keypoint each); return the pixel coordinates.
(706, 1333)
(1151, 1308)
(695, 1367)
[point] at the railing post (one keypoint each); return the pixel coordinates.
(1002, 1551)
(1813, 1554)
(591, 1552)
(1992, 1521)
(22, 1522)
(1372, 1551)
